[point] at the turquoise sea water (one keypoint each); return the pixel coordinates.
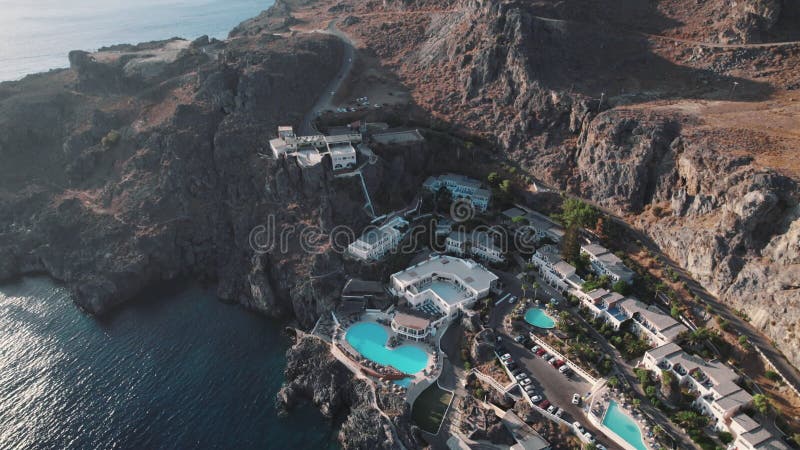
(538, 318)
(177, 370)
(623, 426)
(369, 339)
(37, 35)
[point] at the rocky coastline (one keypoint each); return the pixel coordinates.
(145, 163)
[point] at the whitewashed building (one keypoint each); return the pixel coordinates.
(339, 146)
(604, 262)
(376, 242)
(343, 156)
(555, 271)
(750, 435)
(448, 283)
(410, 326)
(460, 186)
(714, 383)
(479, 244)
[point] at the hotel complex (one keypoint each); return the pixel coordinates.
(446, 283)
(461, 187)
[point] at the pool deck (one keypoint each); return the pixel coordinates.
(419, 381)
(600, 400)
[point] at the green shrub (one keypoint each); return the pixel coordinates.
(111, 139)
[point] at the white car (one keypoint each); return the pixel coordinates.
(563, 368)
(551, 409)
(526, 382)
(536, 398)
(577, 426)
(512, 299)
(576, 399)
(505, 357)
(589, 437)
(535, 349)
(559, 412)
(521, 376)
(549, 358)
(530, 389)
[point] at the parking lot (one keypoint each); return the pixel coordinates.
(553, 385)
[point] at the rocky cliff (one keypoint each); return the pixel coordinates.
(646, 110)
(313, 374)
(144, 164)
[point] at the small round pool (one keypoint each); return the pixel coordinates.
(369, 339)
(538, 318)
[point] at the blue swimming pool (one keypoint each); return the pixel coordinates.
(446, 291)
(538, 318)
(623, 426)
(369, 339)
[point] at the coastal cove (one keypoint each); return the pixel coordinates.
(37, 35)
(176, 369)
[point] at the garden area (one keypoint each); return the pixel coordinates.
(430, 407)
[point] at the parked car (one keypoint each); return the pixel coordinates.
(589, 437)
(559, 412)
(563, 369)
(576, 399)
(552, 409)
(526, 382)
(512, 299)
(549, 358)
(511, 366)
(521, 376)
(519, 338)
(559, 363)
(530, 389)
(600, 447)
(544, 404)
(536, 398)
(535, 349)
(505, 357)
(541, 352)
(577, 426)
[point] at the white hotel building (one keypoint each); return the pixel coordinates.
(375, 243)
(479, 244)
(714, 383)
(447, 283)
(461, 187)
(606, 263)
(340, 147)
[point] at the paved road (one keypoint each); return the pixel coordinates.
(324, 101)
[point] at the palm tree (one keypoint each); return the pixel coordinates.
(535, 289)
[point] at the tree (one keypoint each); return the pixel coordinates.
(690, 419)
(744, 341)
(725, 437)
(613, 381)
(505, 186)
(570, 244)
(493, 178)
(621, 287)
(762, 404)
(579, 213)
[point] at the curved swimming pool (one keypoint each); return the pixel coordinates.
(623, 426)
(538, 318)
(369, 339)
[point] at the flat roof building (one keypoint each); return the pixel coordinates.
(461, 186)
(479, 244)
(604, 262)
(375, 242)
(411, 326)
(447, 283)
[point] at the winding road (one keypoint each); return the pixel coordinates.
(324, 101)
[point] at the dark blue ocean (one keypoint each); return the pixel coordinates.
(36, 35)
(176, 370)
